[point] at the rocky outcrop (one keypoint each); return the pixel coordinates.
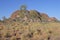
(32, 14)
(52, 19)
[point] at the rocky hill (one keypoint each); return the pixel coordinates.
(32, 14)
(29, 25)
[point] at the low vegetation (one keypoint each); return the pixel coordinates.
(29, 26)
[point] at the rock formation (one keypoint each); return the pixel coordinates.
(32, 14)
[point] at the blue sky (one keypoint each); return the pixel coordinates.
(50, 7)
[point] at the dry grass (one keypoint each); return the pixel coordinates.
(32, 31)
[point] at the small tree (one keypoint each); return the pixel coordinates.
(4, 18)
(23, 7)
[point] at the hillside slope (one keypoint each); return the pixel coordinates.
(29, 25)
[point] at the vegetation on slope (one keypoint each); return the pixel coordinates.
(29, 25)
